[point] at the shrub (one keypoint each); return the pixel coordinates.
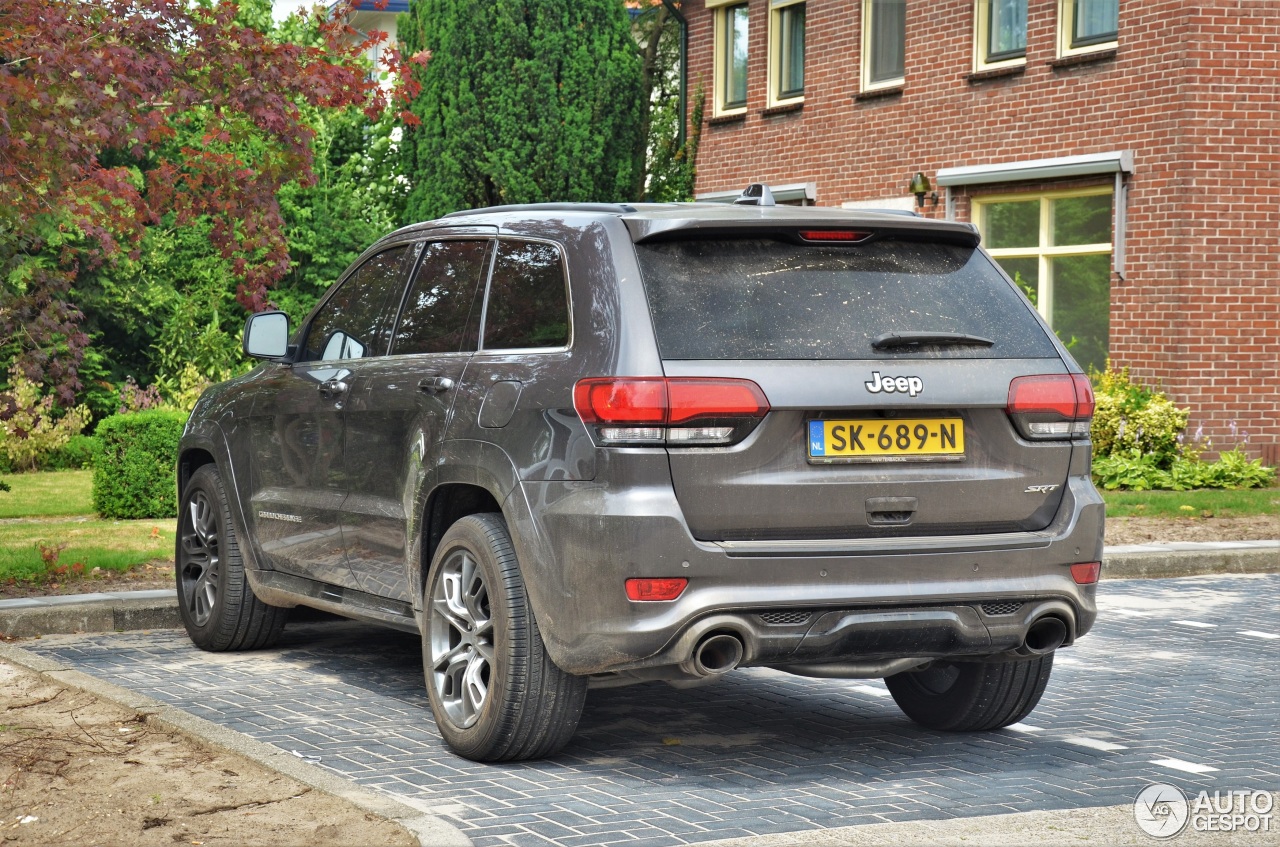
(1139, 444)
(30, 428)
(1129, 417)
(76, 454)
(133, 474)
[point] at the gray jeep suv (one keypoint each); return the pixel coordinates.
(579, 445)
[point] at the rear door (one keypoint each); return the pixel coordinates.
(400, 406)
(887, 364)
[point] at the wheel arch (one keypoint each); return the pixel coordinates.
(446, 504)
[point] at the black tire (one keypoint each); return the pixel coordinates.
(495, 693)
(971, 696)
(217, 606)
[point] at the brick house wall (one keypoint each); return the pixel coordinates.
(1193, 90)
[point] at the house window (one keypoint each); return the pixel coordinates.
(1057, 247)
(731, 59)
(1087, 25)
(884, 43)
(1000, 30)
(786, 51)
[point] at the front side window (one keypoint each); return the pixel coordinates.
(1086, 25)
(1001, 27)
(353, 323)
(1057, 247)
(884, 43)
(528, 303)
(440, 310)
(731, 58)
(786, 37)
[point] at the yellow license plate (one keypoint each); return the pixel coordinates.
(894, 439)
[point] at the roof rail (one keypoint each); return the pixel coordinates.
(611, 208)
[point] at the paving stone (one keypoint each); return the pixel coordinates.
(760, 751)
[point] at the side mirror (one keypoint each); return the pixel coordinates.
(266, 335)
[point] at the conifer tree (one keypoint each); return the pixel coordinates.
(523, 101)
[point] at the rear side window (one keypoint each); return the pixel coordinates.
(437, 313)
(528, 298)
(765, 299)
(353, 323)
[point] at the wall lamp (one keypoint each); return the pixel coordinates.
(920, 187)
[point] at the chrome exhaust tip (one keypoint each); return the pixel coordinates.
(1043, 636)
(716, 654)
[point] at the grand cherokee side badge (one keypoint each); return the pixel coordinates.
(912, 385)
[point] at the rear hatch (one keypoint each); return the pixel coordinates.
(888, 357)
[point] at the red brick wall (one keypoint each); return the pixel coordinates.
(1193, 91)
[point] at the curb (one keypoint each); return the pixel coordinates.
(1151, 561)
(431, 830)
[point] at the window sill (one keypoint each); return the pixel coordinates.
(783, 109)
(1083, 58)
(725, 120)
(997, 73)
(878, 93)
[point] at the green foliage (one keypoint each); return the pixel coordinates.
(357, 198)
(1129, 417)
(1140, 444)
(1137, 471)
(76, 454)
(32, 428)
(522, 101)
(673, 169)
(133, 476)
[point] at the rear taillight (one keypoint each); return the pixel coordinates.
(677, 411)
(1051, 405)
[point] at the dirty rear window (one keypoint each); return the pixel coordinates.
(766, 299)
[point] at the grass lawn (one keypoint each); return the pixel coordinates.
(47, 494)
(110, 545)
(56, 507)
(1181, 504)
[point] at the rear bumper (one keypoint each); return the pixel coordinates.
(864, 599)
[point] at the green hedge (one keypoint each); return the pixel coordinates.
(76, 454)
(133, 475)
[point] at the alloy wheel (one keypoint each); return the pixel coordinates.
(201, 563)
(461, 638)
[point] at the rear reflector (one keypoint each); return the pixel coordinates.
(687, 411)
(667, 588)
(1051, 405)
(1086, 573)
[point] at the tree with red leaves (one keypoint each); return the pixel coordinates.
(93, 94)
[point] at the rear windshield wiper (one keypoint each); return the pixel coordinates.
(915, 339)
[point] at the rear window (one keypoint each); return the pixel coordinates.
(765, 299)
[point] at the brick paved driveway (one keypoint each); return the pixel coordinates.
(1177, 684)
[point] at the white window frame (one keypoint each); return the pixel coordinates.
(720, 24)
(1067, 25)
(867, 84)
(775, 53)
(981, 32)
(1045, 252)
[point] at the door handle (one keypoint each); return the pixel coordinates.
(435, 384)
(333, 389)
